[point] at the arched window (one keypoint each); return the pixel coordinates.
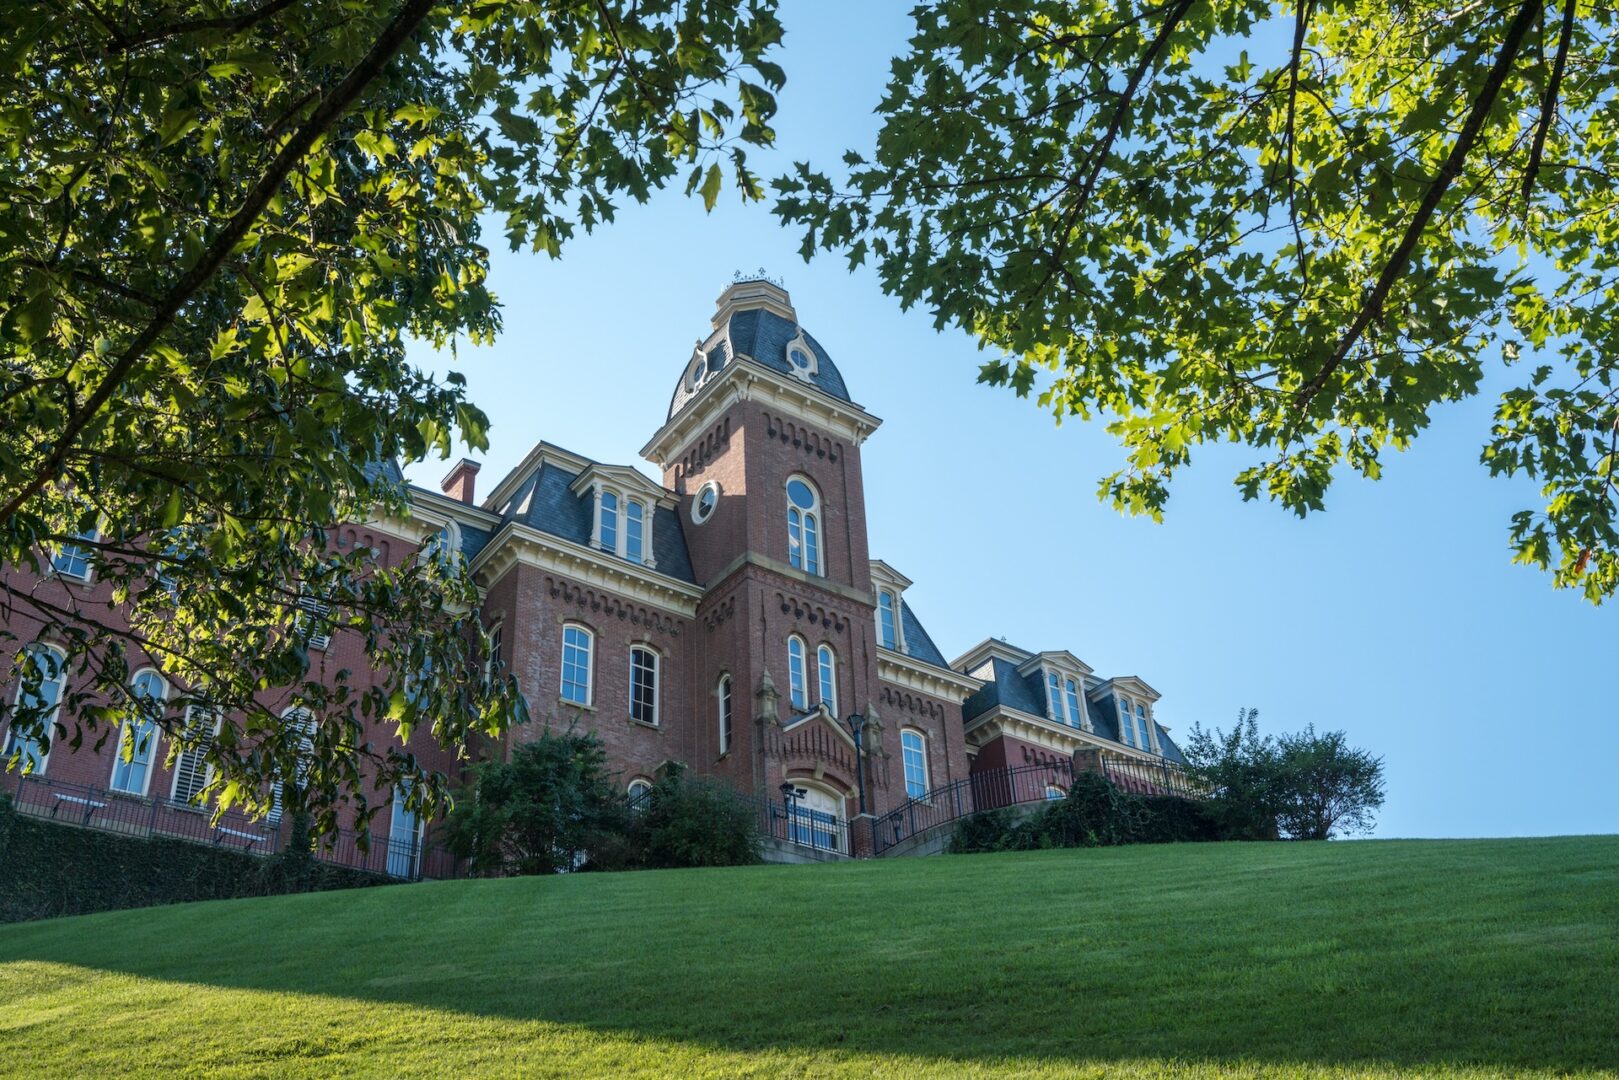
(492, 662)
(634, 530)
(723, 694)
(132, 766)
(32, 750)
(1075, 713)
(826, 666)
(1055, 792)
(577, 645)
(1126, 732)
(797, 681)
(803, 526)
(887, 620)
(914, 750)
(644, 685)
(1054, 695)
(1143, 727)
(639, 791)
(445, 545)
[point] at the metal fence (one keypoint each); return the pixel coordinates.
(807, 827)
(986, 790)
(88, 807)
(1160, 777)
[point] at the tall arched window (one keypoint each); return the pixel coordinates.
(826, 666)
(803, 526)
(914, 750)
(797, 680)
(644, 685)
(1126, 732)
(723, 694)
(577, 644)
(887, 620)
(404, 836)
(132, 766)
(32, 750)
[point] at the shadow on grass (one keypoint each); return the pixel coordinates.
(1404, 955)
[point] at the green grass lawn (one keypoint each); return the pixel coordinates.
(1385, 958)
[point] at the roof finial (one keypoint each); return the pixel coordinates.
(757, 275)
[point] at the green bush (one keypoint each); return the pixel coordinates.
(49, 869)
(550, 807)
(692, 822)
(1095, 813)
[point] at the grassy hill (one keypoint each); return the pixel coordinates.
(1364, 959)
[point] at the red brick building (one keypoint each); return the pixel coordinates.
(731, 618)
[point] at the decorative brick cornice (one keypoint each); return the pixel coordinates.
(521, 545)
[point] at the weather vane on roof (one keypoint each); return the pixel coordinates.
(757, 275)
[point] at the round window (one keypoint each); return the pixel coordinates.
(708, 497)
(801, 495)
(800, 359)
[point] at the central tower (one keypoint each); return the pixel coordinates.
(762, 447)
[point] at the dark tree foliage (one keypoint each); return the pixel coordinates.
(1303, 227)
(1332, 788)
(545, 810)
(691, 821)
(220, 225)
(1305, 786)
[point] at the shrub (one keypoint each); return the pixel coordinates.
(692, 822)
(1170, 819)
(49, 869)
(546, 809)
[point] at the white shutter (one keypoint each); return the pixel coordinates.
(190, 766)
(312, 622)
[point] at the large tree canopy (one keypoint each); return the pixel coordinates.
(220, 223)
(1300, 226)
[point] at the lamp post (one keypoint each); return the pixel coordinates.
(857, 723)
(787, 791)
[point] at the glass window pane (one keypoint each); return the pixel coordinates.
(1071, 691)
(576, 665)
(796, 680)
(644, 686)
(885, 620)
(609, 533)
(828, 679)
(632, 531)
(800, 494)
(916, 767)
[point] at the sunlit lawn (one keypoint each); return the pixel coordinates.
(1365, 959)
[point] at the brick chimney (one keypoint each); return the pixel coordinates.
(459, 483)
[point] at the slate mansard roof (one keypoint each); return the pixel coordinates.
(544, 502)
(1027, 693)
(760, 336)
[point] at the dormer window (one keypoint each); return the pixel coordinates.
(888, 619)
(1135, 726)
(623, 525)
(1062, 698)
(801, 359)
(803, 526)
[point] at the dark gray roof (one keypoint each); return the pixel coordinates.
(544, 502)
(918, 645)
(762, 336)
(1026, 693)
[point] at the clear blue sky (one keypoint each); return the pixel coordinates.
(1396, 615)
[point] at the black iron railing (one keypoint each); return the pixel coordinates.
(986, 790)
(1159, 777)
(89, 807)
(807, 827)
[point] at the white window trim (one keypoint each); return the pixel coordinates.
(657, 681)
(621, 534)
(699, 519)
(397, 806)
(725, 710)
(305, 719)
(1127, 720)
(496, 634)
(639, 782)
(803, 672)
(806, 374)
(89, 563)
(7, 747)
(1058, 710)
(927, 778)
(815, 511)
(125, 732)
(590, 666)
(899, 622)
(827, 656)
